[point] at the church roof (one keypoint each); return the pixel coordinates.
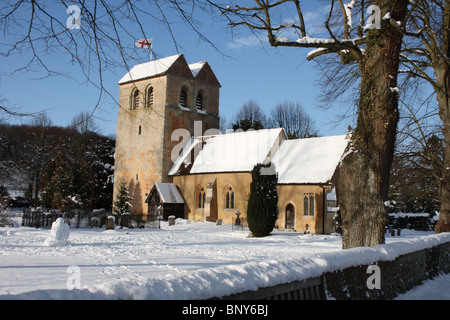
(299, 161)
(230, 152)
(161, 66)
(311, 161)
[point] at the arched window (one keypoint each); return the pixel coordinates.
(135, 99)
(308, 204)
(229, 197)
(200, 197)
(183, 97)
(199, 101)
(149, 97)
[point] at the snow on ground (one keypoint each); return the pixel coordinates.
(191, 260)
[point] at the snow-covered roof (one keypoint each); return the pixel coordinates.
(299, 161)
(312, 160)
(230, 152)
(157, 67)
(149, 69)
(196, 67)
(168, 193)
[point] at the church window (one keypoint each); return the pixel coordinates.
(229, 198)
(140, 130)
(308, 204)
(149, 97)
(135, 99)
(200, 197)
(199, 101)
(183, 97)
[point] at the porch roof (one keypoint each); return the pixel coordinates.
(168, 193)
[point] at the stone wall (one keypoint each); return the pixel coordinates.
(397, 276)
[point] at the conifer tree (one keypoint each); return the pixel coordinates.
(122, 203)
(262, 208)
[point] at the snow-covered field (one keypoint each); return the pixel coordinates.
(191, 260)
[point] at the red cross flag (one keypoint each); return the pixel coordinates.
(144, 43)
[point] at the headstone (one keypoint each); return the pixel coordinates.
(110, 221)
(95, 222)
(218, 222)
(171, 220)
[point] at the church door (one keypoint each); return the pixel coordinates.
(290, 217)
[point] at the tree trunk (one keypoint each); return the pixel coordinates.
(442, 89)
(364, 174)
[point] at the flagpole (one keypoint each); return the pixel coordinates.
(151, 51)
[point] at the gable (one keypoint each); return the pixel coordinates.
(203, 72)
(180, 68)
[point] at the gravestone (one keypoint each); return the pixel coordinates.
(171, 220)
(110, 223)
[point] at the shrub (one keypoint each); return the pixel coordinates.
(262, 208)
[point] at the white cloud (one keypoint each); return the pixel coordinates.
(248, 41)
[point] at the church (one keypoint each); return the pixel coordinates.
(177, 163)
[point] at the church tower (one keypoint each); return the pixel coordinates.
(157, 98)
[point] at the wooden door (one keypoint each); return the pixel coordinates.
(290, 217)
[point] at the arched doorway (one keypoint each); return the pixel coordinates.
(290, 216)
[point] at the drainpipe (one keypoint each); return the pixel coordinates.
(324, 208)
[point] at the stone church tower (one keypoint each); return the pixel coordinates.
(156, 98)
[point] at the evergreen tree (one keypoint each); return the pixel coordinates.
(262, 208)
(122, 203)
(246, 124)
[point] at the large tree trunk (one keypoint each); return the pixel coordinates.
(364, 174)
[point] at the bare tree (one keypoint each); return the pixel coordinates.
(93, 35)
(375, 48)
(292, 117)
(83, 122)
(425, 55)
(251, 112)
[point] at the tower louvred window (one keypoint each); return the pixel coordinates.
(199, 101)
(150, 97)
(183, 97)
(135, 99)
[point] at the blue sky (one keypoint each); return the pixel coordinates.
(246, 68)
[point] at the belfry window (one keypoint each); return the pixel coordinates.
(183, 97)
(149, 97)
(135, 99)
(199, 101)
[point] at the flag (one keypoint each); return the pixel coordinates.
(144, 43)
